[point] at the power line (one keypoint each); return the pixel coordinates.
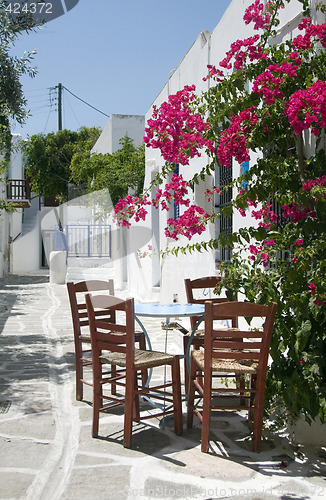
(74, 95)
(71, 109)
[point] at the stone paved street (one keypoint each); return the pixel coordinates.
(46, 448)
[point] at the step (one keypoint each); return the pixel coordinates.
(82, 273)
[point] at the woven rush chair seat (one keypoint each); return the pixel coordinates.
(238, 366)
(142, 358)
(85, 338)
(200, 333)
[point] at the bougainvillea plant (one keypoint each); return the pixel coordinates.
(269, 99)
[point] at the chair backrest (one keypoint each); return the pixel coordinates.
(245, 345)
(205, 288)
(117, 335)
(77, 292)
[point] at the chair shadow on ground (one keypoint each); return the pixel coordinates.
(230, 443)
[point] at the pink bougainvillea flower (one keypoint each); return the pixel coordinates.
(255, 250)
(312, 32)
(233, 141)
(241, 51)
(176, 130)
(308, 185)
(191, 222)
(269, 82)
(306, 108)
(258, 13)
(214, 73)
(296, 212)
(270, 242)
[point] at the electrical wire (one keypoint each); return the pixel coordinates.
(74, 95)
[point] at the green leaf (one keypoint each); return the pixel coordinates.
(302, 336)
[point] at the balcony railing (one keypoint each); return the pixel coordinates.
(18, 192)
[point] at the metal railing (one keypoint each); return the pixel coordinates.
(84, 240)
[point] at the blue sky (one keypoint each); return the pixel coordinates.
(114, 54)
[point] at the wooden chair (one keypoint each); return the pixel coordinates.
(82, 338)
(107, 348)
(245, 355)
(198, 291)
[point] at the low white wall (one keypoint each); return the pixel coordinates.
(26, 255)
(306, 434)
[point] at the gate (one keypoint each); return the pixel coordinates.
(88, 240)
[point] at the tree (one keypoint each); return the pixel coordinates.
(12, 101)
(48, 159)
(270, 99)
(117, 172)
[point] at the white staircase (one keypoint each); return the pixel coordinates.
(30, 216)
(89, 268)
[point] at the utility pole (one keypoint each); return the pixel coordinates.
(60, 106)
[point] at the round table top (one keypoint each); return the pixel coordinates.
(174, 309)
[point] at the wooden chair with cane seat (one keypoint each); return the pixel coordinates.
(107, 348)
(245, 355)
(198, 291)
(82, 338)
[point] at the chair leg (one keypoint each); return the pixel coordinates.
(97, 399)
(176, 389)
(79, 373)
(258, 419)
(191, 394)
(144, 372)
(136, 410)
(129, 409)
(186, 374)
(206, 420)
(257, 429)
(79, 383)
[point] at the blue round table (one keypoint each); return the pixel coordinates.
(168, 311)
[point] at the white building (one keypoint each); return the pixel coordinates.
(157, 277)
(116, 128)
(28, 235)
(14, 188)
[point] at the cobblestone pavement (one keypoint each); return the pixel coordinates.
(46, 448)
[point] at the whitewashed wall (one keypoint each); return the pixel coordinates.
(116, 128)
(10, 223)
(4, 231)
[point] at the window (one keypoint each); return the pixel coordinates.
(223, 177)
(176, 207)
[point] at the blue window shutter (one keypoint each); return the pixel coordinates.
(243, 168)
(176, 211)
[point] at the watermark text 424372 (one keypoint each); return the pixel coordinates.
(40, 11)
